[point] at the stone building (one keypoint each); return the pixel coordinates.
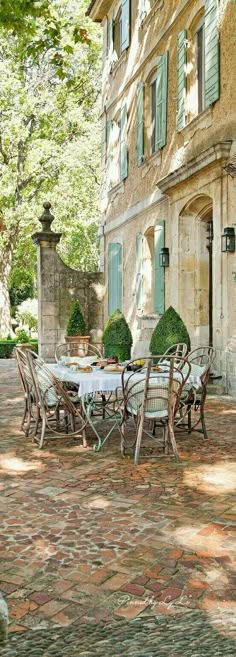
(169, 167)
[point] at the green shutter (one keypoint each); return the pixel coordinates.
(181, 79)
(212, 82)
(114, 276)
(159, 281)
(140, 124)
(110, 34)
(139, 271)
(161, 101)
(125, 24)
(108, 138)
(123, 144)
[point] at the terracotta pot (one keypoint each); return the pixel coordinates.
(81, 342)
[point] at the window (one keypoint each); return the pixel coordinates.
(114, 276)
(150, 283)
(117, 153)
(119, 31)
(158, 104)
(198, 65)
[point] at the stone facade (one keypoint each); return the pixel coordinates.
(58, 287)
(189, 181)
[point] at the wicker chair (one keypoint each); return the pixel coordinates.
(77, 352)
(179, 350)
(55, 403)
(152, 397)
(193, 401)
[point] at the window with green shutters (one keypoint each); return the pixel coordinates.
(201, 87)
(114, 276)
(140, 124)
(139, 271)
(159, 272)
(125, 24)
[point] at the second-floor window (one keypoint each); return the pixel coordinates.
(117, 149)
(198, 78)
(153, 112)
(119, 31)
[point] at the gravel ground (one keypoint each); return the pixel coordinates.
(143, 637)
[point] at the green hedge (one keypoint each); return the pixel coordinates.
(7, 347)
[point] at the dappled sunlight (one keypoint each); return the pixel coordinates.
(217, 479)
(197, 538)
(99, 503)
(221, 615)
(13, 465)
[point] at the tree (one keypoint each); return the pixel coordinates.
(49, 135)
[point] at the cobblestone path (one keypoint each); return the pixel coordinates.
(102, 558)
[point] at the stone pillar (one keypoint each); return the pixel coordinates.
(46, 241)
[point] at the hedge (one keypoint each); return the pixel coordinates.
(7, 347)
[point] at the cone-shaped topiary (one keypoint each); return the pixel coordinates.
(169, 330)
(117, 338)
(76, 324)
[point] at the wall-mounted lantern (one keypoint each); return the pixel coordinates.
(164, 257)
(228, 240)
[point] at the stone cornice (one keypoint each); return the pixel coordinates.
(213, 154)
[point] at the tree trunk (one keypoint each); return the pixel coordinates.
(5, 270)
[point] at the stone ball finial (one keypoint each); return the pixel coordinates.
(46, 218)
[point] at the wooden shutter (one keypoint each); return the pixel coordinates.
(161, 101)
(110, 35)
(140, 124)
(139, 271)
(181, 80)
(212, 82)
(114, 276)
(123, 144)
(159, 280)
(125, 24)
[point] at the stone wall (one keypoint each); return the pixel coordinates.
(58, 287)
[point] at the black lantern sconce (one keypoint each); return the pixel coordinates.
(228, 240)
(164, 257)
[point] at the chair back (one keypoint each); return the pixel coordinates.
(25, 372)
(201, 360)
(51, 392)
(154, 390)
(76, 353)
(179, 350)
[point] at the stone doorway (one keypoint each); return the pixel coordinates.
(196, 269)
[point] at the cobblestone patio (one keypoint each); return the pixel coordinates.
(99, 557)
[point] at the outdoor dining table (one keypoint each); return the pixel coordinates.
(99, 381)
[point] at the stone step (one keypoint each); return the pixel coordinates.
(216, 388)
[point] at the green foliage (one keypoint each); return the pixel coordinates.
(7, 347)
(117, 338)
(21, 286)
(27, 313)
(169, 330)
(76, 324)
(22, 336)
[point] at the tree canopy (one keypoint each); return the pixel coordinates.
(49, 134)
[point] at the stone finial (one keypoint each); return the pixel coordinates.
(46, 218)
(46, 237)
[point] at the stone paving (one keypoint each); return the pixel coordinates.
(99, 557)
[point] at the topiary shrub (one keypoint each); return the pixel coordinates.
(117, 338)
(22, 336)
(169, 330)
(76, 324)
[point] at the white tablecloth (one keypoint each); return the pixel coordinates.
(101, 381)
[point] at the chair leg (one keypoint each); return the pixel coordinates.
(172, 440)
(43, 429)
(189, 420)
(122, 442)
(202, 416)
(85, 444)
(165, 438)
(138, 441)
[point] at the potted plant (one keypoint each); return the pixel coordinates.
(117, 338)
(169, 330)
(23, 339)
(76, 328)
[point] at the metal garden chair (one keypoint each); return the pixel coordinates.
(30, 413)
(179, 350)
(66, 353)
(151, 396)
(192, 402)
(56, 404)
